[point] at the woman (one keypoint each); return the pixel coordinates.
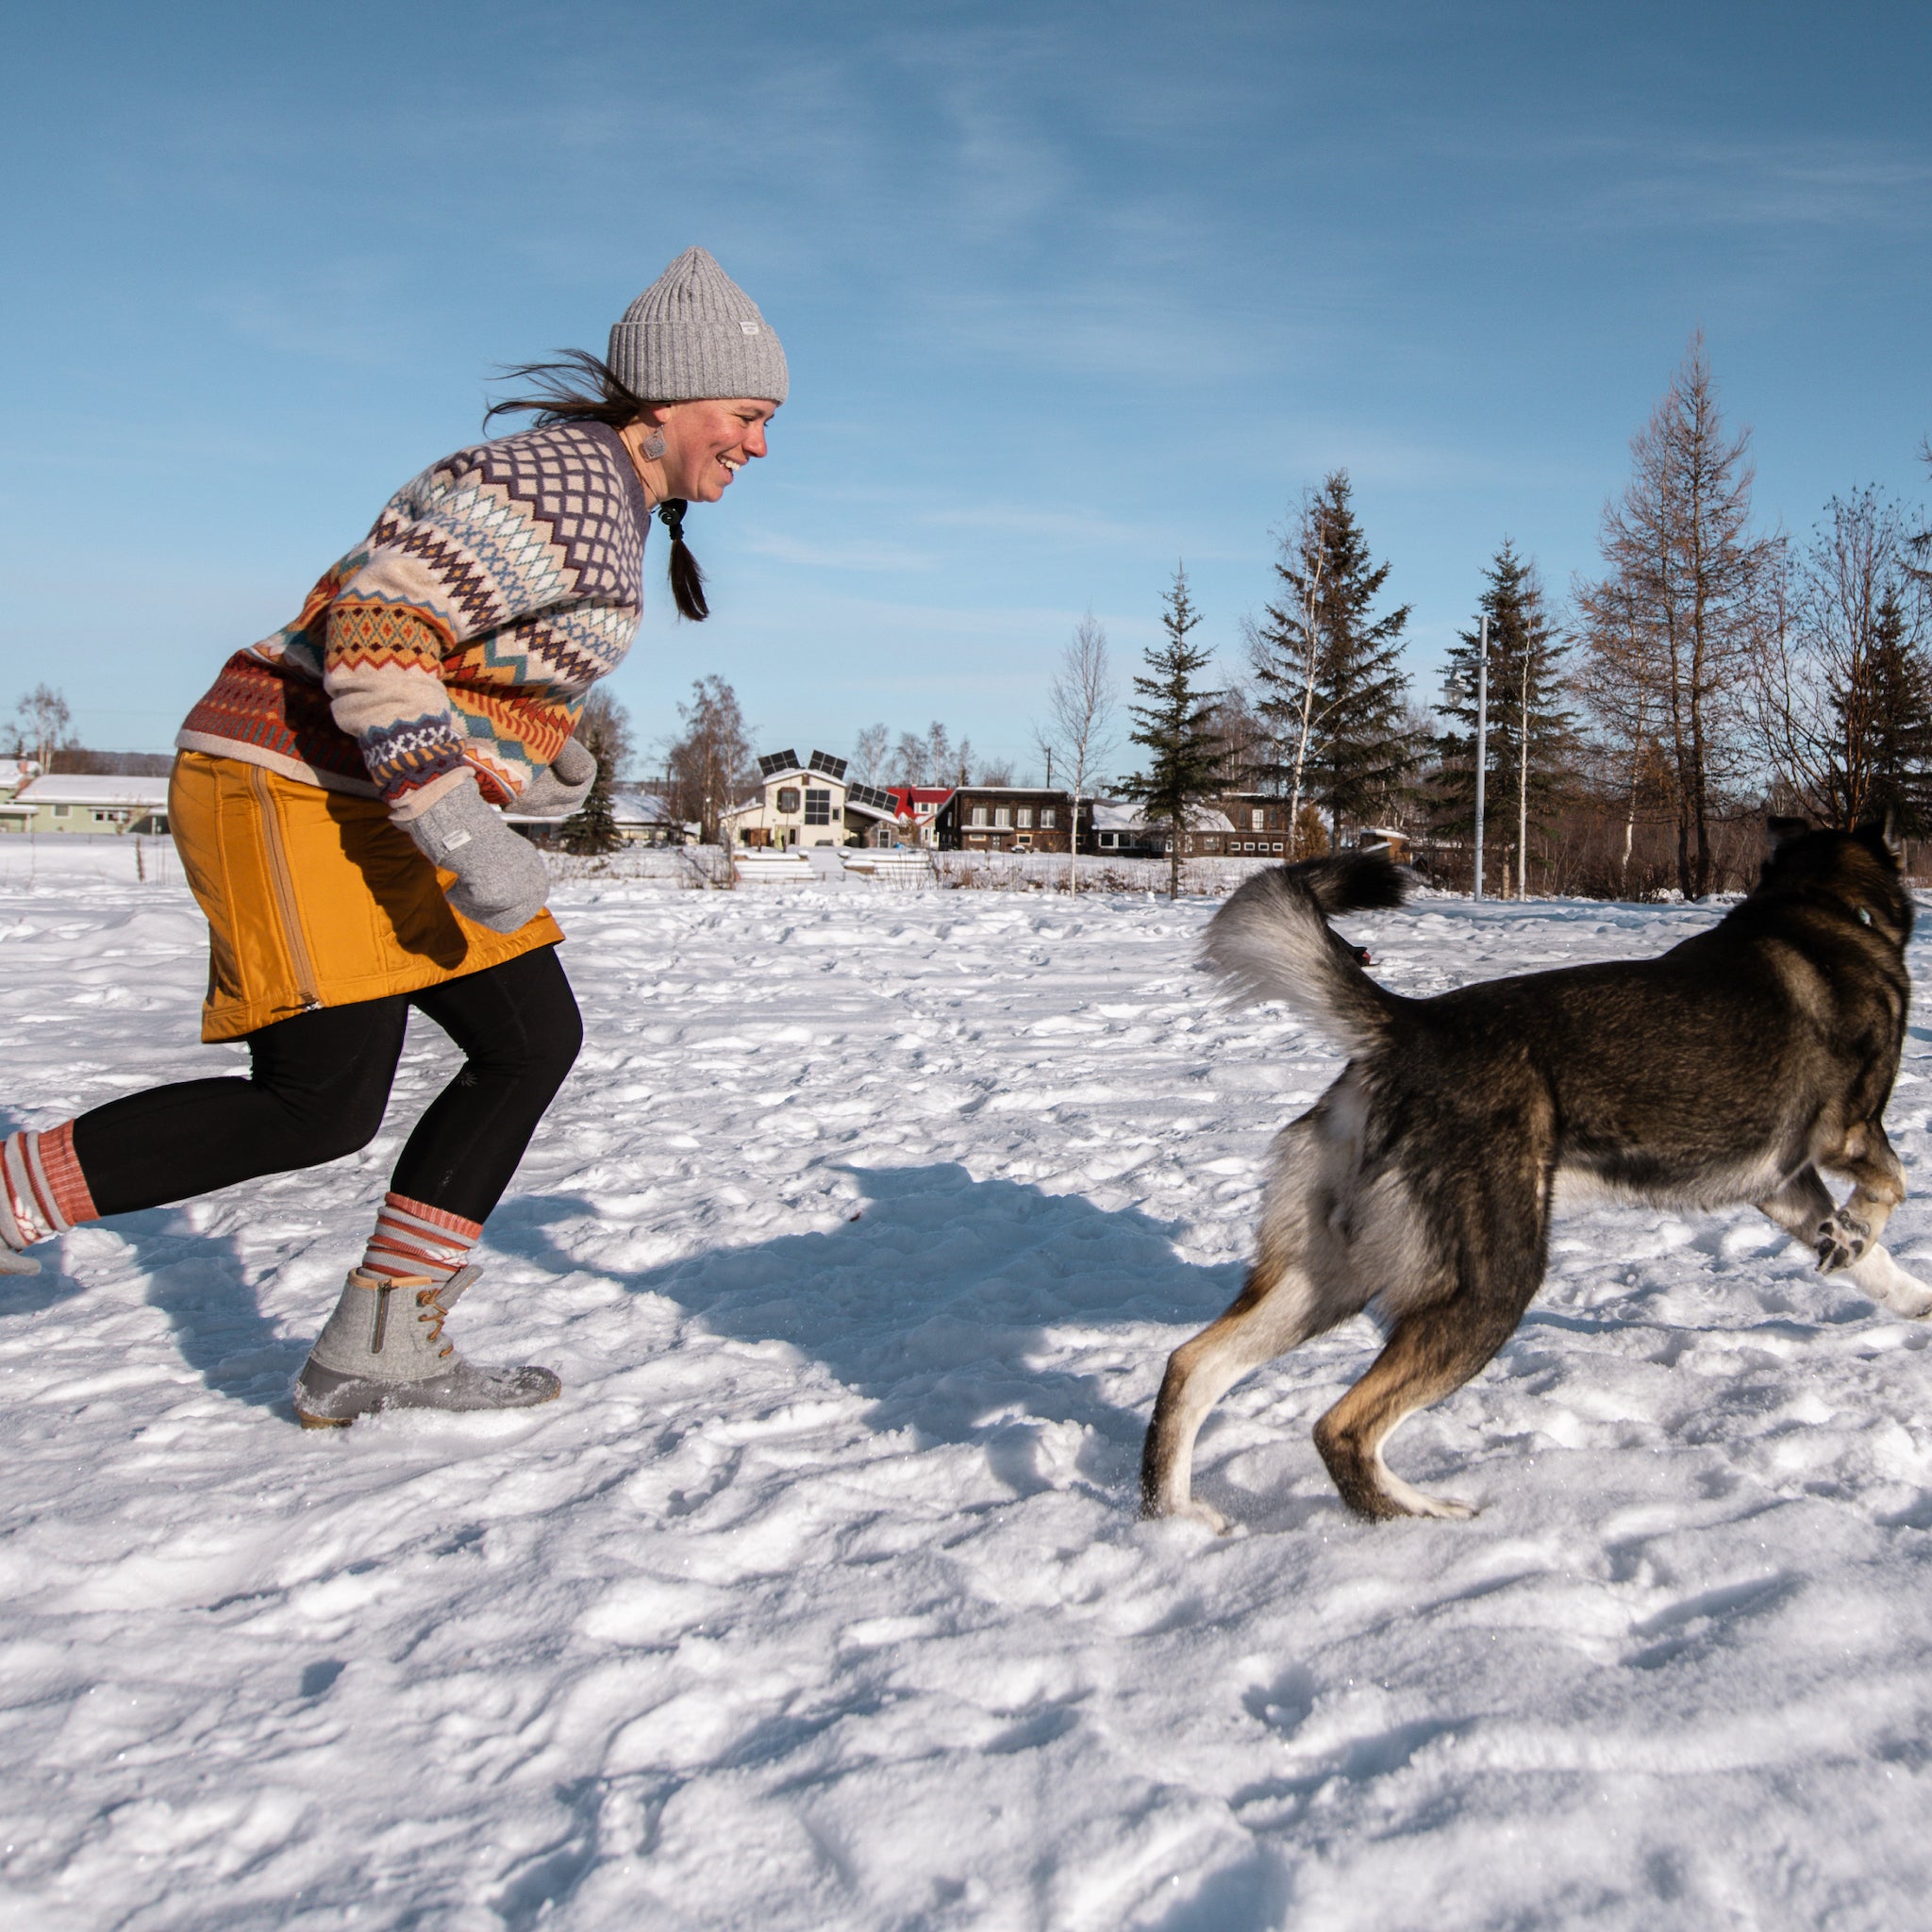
(334, 803)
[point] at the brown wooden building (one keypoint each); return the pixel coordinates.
(1009, 818)
(1119, 828)
(1257, 824)
(1258, 827)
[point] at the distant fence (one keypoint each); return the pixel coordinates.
(686, 868)
(708, 868)
(1044, 872)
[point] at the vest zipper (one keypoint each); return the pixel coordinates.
(282, 882)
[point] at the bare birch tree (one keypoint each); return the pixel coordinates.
(42, 728)
(869, 754)
(1082, 702)
(711, 763)
(1621, 684)
(1839, 671)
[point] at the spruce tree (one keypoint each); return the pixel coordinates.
(1175, 724)
(1526, 687)
(593, 827)
(1339, 695)
(604, 731)
(1900, 713)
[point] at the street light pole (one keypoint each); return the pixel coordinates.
(1482, 745)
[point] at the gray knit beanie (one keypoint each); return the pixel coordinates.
(695, 335)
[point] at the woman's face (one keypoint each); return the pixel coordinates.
(706, 444)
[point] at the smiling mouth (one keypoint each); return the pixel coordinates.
(734, 464)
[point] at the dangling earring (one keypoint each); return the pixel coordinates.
(653, 446)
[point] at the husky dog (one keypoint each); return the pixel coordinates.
(1731, 1069)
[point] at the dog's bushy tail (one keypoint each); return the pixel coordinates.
(1273, 942)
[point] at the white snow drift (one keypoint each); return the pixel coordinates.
(860, 1236)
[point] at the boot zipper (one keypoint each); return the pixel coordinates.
(382, 1296)
(282, 882)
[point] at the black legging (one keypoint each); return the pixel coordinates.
(317, 1087)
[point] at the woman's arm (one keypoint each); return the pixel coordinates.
(507, 576)
(382, 669)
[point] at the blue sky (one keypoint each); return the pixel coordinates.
(1069, 292)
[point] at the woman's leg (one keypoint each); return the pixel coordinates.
(316, 1089)
(518, 1027)
(519, 1030)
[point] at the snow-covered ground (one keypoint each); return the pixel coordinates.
(860, 1236)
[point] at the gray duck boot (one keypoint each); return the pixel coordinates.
(383, 1348)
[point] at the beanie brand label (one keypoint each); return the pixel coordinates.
(751, 328)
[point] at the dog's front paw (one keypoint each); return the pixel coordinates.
(1914, 1301)
(1878, 1274)
(1841, 1240)
(1193, 1510)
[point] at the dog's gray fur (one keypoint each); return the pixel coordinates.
(1733, 1068)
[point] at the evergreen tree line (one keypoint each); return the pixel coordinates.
(1711, 671)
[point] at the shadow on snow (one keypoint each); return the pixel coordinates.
(935, 1303)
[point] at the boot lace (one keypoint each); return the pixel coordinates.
(432, 1311)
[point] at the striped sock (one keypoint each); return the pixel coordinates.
(413, 1239)
(43, 1190)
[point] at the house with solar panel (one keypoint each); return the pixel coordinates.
(813, 804)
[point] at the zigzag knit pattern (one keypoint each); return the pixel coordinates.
(464, 633)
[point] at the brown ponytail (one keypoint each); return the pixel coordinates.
(687, 580)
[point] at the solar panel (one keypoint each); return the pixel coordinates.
(872, 795)
(775, 762)
(824, 761)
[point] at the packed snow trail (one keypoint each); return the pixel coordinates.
(860, 1236)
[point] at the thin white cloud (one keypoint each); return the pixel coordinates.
(1659, 175)
(1025, 520)
(837, 552)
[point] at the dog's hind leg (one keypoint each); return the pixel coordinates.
(1300, 1284)
(1274, 1311)
(1436, 1346)
(1430, 1353)
(1802, 1208)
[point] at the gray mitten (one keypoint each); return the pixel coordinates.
(500, 879)
(559, 789)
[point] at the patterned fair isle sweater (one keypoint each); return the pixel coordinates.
(462, 633)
